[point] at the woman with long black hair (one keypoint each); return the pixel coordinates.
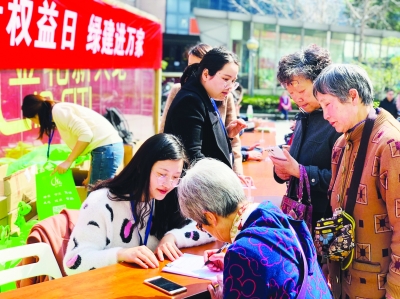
(125, 219)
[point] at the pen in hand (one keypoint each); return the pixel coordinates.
(218, 251)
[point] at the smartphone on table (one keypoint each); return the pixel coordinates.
(276, 152)
(164, 285)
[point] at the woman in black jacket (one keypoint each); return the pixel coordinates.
(193, 115)
(313, 137)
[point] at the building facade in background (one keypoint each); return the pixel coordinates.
(229, 23)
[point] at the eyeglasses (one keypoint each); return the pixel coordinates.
(162, 180)
(228, 84)
(231, 85)
(199, 226)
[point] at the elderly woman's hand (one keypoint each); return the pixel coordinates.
(140, 255)
(168, 247)
(235, 126)
(216, 288)
(216, 260)
(286, 169)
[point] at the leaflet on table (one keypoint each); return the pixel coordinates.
(191, 265)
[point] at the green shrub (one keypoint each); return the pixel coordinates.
(269, 103)
(262, 103)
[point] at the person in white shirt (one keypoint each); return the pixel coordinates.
(82, 129)
(129, 218)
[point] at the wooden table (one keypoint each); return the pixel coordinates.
(262, 171)
(122, 280)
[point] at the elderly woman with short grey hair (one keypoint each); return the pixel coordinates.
(265, 258)
(346, 96)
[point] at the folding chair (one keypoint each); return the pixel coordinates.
(47, 264)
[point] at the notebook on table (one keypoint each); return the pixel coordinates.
(191, 265)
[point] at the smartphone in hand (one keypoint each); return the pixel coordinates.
(276, 152)
(164, 285)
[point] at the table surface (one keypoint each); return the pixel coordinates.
(122, 280)
(125, 280)
(262, 171)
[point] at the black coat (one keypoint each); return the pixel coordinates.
(193, 119)
(312, 147)
(389, 106)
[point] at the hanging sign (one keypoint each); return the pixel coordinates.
(76, 34)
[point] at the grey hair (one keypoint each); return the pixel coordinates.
(338, 79)
(209, 185)
(307, 63)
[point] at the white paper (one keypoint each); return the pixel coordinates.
(191, 265)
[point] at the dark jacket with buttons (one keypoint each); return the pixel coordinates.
(312, 147)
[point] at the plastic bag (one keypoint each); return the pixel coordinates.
(55, 192)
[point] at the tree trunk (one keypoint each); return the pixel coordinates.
(364, 18)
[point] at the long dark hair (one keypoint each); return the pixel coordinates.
(214, 60)
(33, 105)
(132, 183)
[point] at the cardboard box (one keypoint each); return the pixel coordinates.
(84, 166)
(13, 215)
(3, 173)
(82, 191)
(79, 175)
(20, 186)
(3, 207)
(128, 153)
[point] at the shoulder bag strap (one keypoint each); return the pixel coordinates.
(303, 289)
(303, 173)
(359, 163)
(337, 172)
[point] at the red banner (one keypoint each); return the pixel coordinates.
(78, 34)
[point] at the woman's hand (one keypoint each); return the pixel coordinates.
(168, 247)
(216, 288)
(286, 169)
(216, 260)
(245, 180)
(254, 156)
(253, 146)
(140, 255)
(63, 167)
(235, 126)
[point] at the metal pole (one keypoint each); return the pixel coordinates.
(276, 56)
(251, 73)
(157, 99)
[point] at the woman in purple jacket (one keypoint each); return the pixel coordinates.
(270, 256)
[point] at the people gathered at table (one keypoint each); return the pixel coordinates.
(181, 188)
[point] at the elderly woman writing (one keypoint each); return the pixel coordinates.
(265, 258)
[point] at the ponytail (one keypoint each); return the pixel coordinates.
(188, 72)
